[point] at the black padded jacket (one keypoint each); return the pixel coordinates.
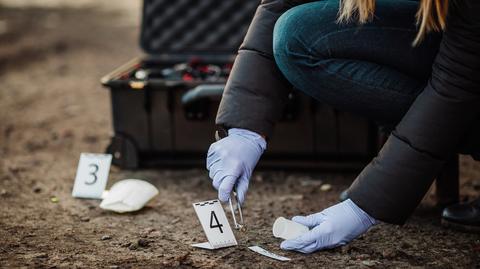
(434, 128)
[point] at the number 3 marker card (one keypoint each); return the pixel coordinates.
(215, 225)
(92, 175)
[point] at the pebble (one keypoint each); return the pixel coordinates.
(325, 187)
(106, 237)
(132, 246)
(143, 243)
(389, 253)
(3, 192)
(369, 263)
(41, 255)
(54, 199)
(37, 189)
(85, 219)
(146, 232)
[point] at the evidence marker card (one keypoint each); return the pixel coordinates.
(215, 225)
(92, 175)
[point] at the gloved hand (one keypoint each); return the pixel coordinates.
(231, 161)
(333, 227)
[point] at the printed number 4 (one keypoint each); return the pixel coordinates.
(93, 174)
(217, 225)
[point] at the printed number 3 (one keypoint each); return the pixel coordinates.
(217, 225)
(93, 174)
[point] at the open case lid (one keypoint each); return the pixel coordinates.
(195, 27)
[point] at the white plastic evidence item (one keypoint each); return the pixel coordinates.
(269, 254)
(287, 229)
(128, 195)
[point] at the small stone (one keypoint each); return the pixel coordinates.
(326, 187)
(41, 255)
(133, 247)
(155, 234)
(369, 263)
(54, 199)
(114, 267)
(106, 237)
(143, 243)
(388, 253)
(30, 235)
(85, 219)
(3, 192)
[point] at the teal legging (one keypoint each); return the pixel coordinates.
(371, 70)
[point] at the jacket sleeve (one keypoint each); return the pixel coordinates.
(394, 183)
(256, 91)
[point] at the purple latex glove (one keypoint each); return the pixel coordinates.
(231, 161)
(333, 227)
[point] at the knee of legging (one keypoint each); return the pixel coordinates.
(296, 32)
(286, 36)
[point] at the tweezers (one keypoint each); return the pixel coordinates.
(238, 225)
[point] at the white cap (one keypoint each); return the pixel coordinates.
(287, 229)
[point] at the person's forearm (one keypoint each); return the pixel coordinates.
(256, 91)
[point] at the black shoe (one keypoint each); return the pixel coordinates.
(465, 217)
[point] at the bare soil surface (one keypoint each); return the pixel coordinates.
(52, 107)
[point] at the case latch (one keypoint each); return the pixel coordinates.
(137, 85)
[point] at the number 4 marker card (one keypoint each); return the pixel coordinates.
(92, 175)
(215, 225)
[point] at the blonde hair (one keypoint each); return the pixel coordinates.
(431, 15)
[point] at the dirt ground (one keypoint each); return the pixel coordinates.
(52, 107)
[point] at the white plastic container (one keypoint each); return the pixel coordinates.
(287, 229)
(128, 195)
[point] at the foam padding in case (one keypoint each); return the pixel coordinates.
(195, 26)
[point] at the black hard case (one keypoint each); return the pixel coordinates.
(171, 123)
